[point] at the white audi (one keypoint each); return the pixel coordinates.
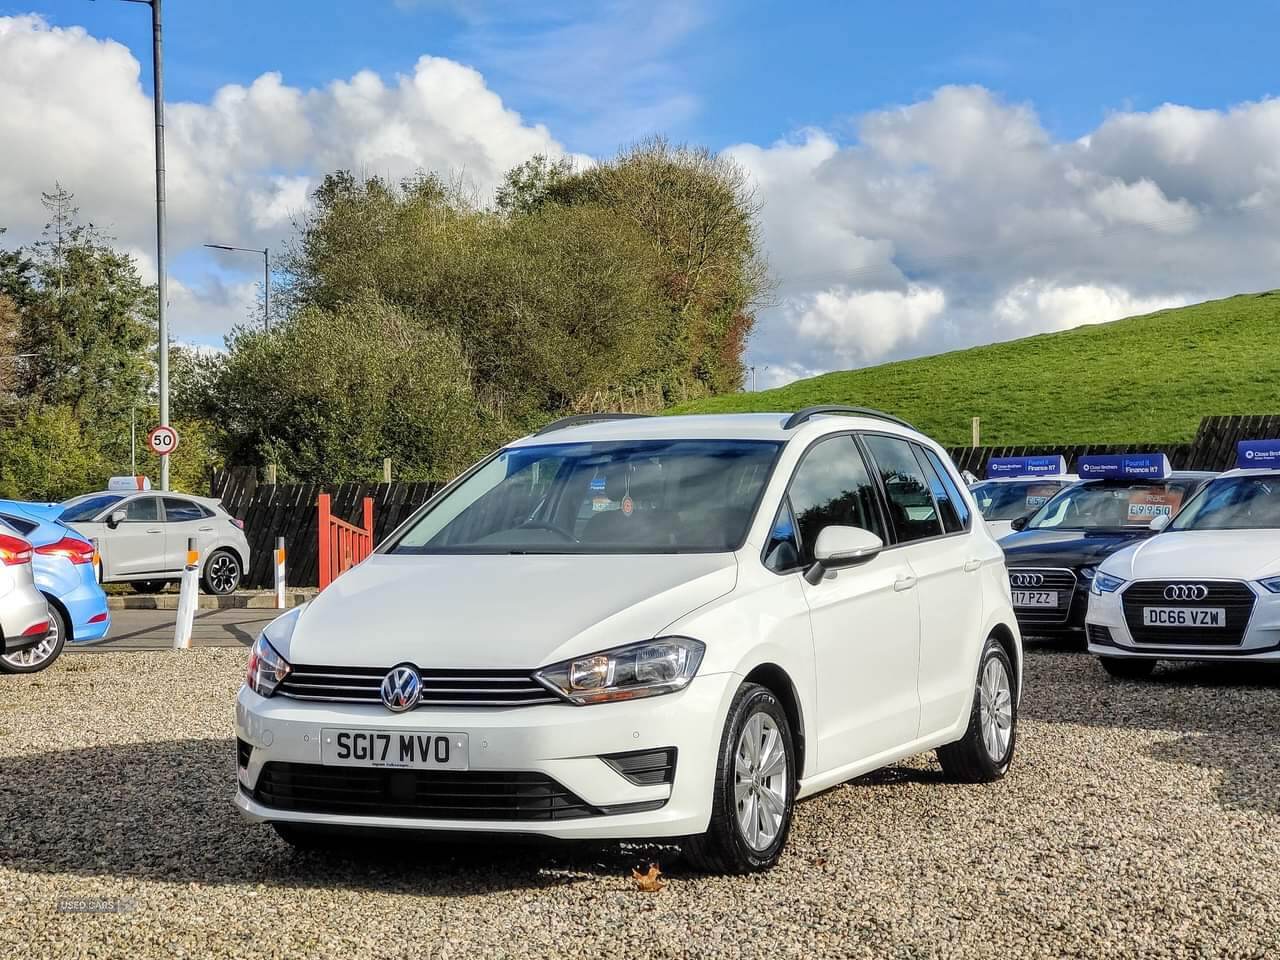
(644, 627)
(1207, 587)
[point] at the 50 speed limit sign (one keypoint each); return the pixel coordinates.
(162, 440)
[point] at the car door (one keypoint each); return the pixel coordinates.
(865, 619)
(183, 520)
(932, 523)
(136, 545)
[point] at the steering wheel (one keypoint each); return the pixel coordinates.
(543, 525)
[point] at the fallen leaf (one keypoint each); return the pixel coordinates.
(818, 861)
(650, 881)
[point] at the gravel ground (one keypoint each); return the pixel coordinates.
(1139, 820)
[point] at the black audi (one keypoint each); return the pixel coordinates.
(1052, 555)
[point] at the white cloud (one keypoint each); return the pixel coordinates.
(968, 197)
(863, 325)
(1035, 305)
(239, 167)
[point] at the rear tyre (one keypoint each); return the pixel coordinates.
(985, 751)
(1124, 668)
(755, 788)
(222, 573)
(34, 659)
(147, 586)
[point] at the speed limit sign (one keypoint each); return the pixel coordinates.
(162, 440)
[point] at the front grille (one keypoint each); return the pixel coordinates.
(440, 688)
(1098, 636)
(645, 768)
(1063, 581)
(1234, 597)
(425, 794)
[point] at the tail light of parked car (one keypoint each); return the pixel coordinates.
(14, 551)
(239, 523)
(77, 551)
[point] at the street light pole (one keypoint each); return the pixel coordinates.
(162, 286)
(266, 276)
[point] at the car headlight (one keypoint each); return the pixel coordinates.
(266, 668)
(1272, 584)
(646, 669)
(1105, 583)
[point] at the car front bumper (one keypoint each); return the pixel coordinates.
(1109, 635)
(558, 741)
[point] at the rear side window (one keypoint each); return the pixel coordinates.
(833, 488)
(955, 515)
(179, 511)
(911, 508)
(24, 527)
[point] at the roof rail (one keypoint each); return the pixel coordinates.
(803, 416)
(578, 419)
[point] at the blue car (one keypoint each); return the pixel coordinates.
(63, 563)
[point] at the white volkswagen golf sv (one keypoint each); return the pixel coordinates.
(644, 627)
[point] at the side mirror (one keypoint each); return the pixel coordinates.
(1019, 523)
(115, 518)
(1159, 523)
(841, 547)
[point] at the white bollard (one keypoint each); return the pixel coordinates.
(188, 598)
(280, 573)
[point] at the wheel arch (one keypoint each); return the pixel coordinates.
(780, 684)
(1005, 637)
(65, 613)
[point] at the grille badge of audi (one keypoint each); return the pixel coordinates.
(1026, 579)
(1186, 591)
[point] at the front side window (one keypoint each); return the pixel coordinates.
(955, 514)
(911, 507)
(642, 496)
(142, 510)
(1233, 503)
(832, 487)
(1111, 505)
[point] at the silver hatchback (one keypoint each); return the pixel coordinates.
(24, 614)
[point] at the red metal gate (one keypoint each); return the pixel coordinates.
(342, 544)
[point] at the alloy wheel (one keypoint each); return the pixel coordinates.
(996, 709)
(224, 573)
(760, 781)
(42, 651)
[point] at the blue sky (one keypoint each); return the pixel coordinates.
(754, 71)
(932, 175)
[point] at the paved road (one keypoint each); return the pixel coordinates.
(153, 629)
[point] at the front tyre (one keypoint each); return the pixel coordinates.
(754, 793)
(1125, 668)
(34, 659)
(985, 751)
(222, 573)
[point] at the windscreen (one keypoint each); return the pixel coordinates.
(1233, 503)
(653, 496)
(82, 510)
(1010, 499)
(1111, 505)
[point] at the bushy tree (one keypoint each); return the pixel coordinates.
(48, 454)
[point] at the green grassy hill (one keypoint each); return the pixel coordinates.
(1141, 379)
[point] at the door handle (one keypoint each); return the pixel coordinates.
(971, 565)
(155, 531)
(904, 583)
(205, 529)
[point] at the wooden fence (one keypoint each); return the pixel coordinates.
(289, 509)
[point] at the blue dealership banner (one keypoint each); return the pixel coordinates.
(1258, 454)
(1044, 466)
(1104, 465)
